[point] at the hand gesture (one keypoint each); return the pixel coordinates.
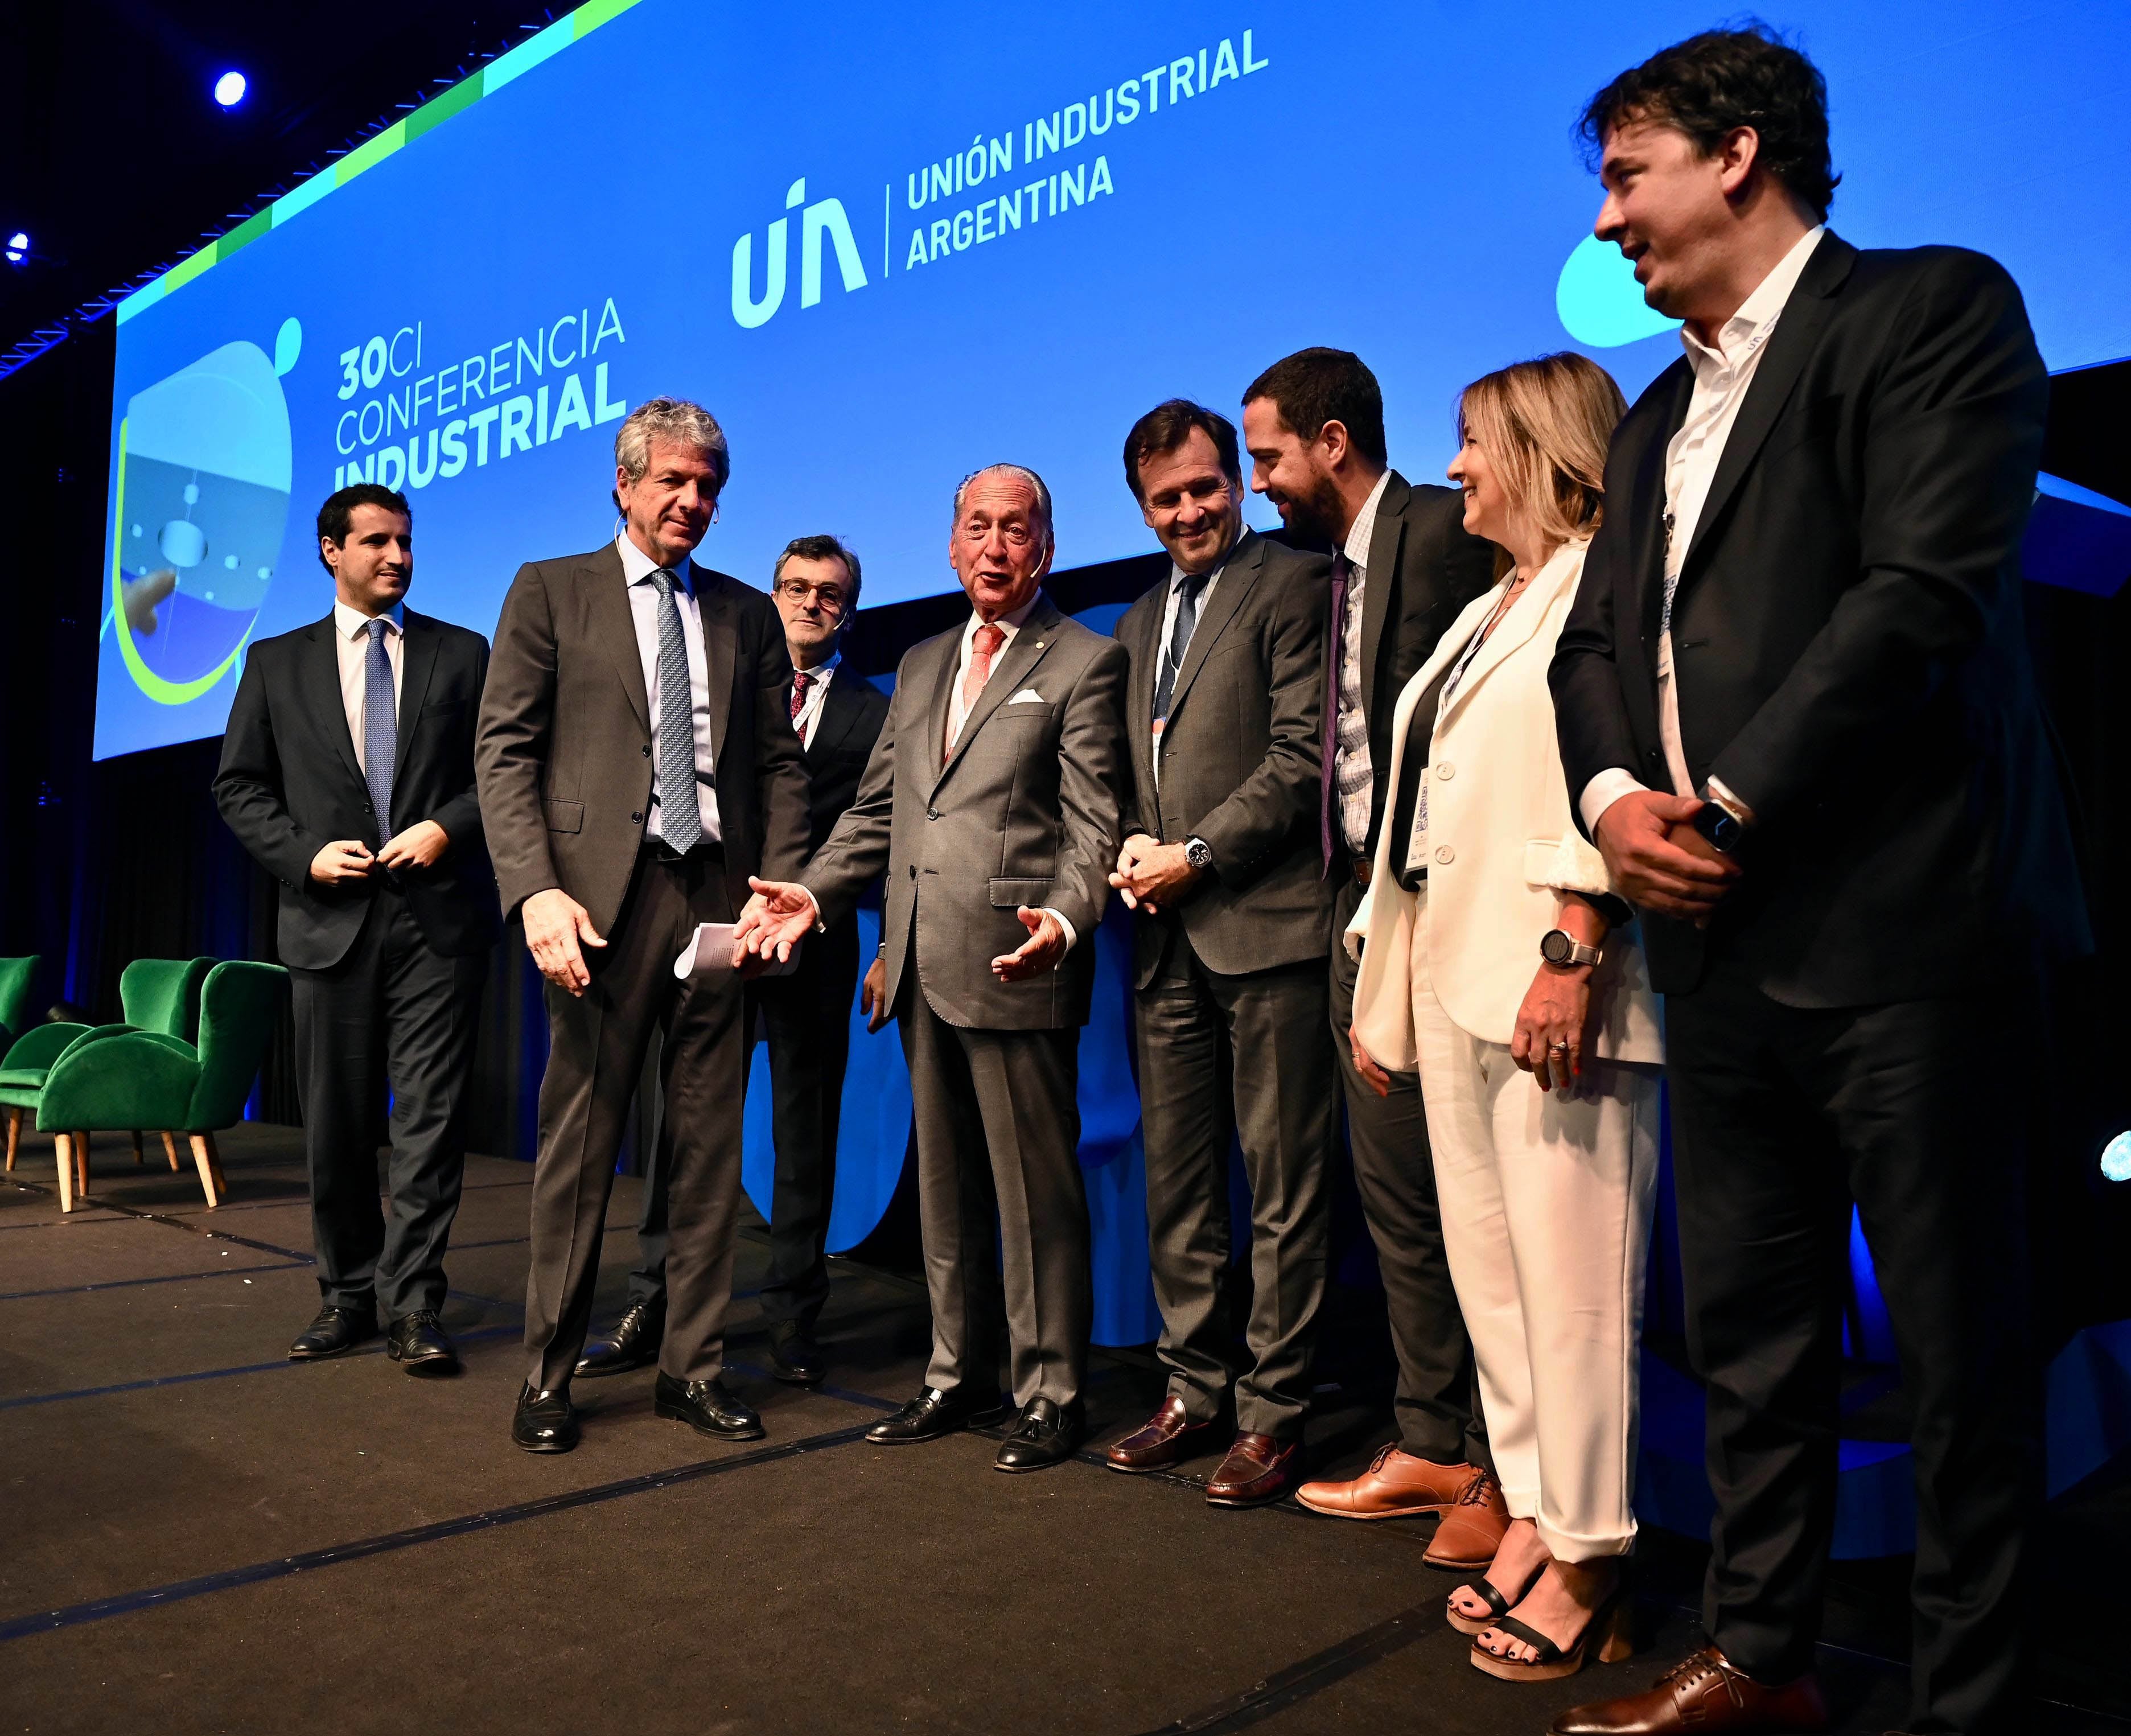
(1644, 838)
(774, 922)
(421, 845)
(345, 859)
(1042, 951)
(556, 927)
(1150, 875)
(1550, 1039)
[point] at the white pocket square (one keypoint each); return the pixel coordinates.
(1026, 697)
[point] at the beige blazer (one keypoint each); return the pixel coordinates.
(1501, 841)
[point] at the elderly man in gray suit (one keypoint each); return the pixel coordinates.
(992, 803)
(1222, 862)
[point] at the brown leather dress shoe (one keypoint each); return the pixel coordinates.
(1473, 1530)
(1701, 1693)
(1166, 1438)
(1395, 1486)
(1258, 1468)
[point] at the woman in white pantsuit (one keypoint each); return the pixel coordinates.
(1498, 961)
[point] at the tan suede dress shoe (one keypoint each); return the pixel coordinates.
(1705, 1692)
(1395, 1486)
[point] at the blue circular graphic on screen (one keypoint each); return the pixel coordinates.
(2116, 1158)
(1599, 300)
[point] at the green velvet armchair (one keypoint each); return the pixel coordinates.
(117, 1079)
(17, 978)
(163, 994)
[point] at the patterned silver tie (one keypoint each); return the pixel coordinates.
(380, 728)
(680, 822)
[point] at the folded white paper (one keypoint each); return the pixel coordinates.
(711, 954)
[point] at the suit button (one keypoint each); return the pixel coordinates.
(636, 820)
(1444, 853)
(1446, 770)
(647, 750)
(931, 813)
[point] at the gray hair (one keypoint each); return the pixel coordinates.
(669, 418)
(1035, 485)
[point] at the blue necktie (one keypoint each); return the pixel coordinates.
(1179, 640)
(680, 821)
(380, 728)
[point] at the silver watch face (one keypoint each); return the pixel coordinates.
(1199, 853)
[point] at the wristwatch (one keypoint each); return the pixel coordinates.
(1558, 947)
(1716, 822)
(1199, 853)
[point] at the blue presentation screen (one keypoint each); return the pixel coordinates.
(887, 245)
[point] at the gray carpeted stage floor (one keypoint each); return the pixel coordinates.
(197, 1535)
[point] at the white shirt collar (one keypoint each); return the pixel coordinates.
(819, 675)
(1011, 624)
(1364, 526)
(353, 623)
(1177, 573)
(1745, 330)
(637, 567)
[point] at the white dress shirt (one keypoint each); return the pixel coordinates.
(1350, 769)
(352, 650)
(818, 678)
(637, 568)
(1169, 626)
(1722, 377)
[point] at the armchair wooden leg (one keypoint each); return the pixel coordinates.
(202, 1149)
(170, 1150)
(64, 1146)
(214, 1159)
(81, 1163)
(14, 1134)
(138, 1155)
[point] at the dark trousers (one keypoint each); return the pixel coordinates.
(806, 1019)
(393, 1014)
(1244, 1056)
(1437, 1405)
(998, 1137)
(1781, 1117)
(597, 1046)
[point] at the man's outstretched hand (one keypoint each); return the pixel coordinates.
(1657, 859)
(1042, 951)
(779, 915)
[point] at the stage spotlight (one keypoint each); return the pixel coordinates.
(18, 247)
(2116, 1158)
(229, 89)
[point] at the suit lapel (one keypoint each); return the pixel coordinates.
(1141, 638)
(1511, 633)
(839, 706)
(605, 592)
(1797, 335)
(1244, 564)
(322, 681)
(714, 606)
(1008, 674)
(1387, 544)
(418, 663)
(1646, 500)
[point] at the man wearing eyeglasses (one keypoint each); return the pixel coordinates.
(837, 714)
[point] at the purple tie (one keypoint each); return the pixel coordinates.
(1330, 750)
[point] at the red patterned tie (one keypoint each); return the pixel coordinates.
(988, 641)
(802, 679)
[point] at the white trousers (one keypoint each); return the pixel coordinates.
(1546, 1217)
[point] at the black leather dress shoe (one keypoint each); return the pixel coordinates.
(545, 1422)
(1043, 1435)
(633, 1343)
(418, 1341)
(794, 1357)
(707, 1406)
(335, 1331)
(933, 1414)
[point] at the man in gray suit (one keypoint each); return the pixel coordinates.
(1221, 861)
(636, 767)
(992, 802)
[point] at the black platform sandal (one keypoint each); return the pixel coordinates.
(1610, 1632)
(1498, 1606)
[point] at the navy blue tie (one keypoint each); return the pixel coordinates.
(680, 819)
(380, 728)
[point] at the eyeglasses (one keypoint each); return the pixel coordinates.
(799, 593)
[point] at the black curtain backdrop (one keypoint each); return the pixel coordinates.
(106, 863)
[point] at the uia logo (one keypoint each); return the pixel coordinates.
(825, 217)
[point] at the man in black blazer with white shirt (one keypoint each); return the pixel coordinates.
(347, 773)
(1796, 715)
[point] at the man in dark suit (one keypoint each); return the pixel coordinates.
(1221, 862)
(1402, 568)
(637, 765)
(992, 802)
(1796, 715)
(348, 772)
(805, 1016)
